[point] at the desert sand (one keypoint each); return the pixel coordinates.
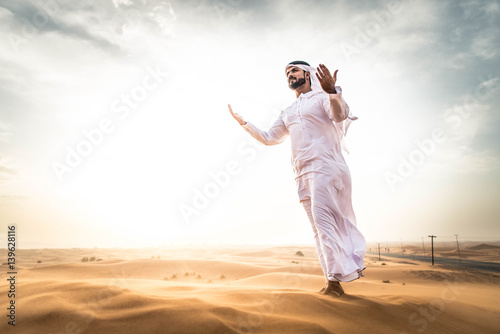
(241, 290)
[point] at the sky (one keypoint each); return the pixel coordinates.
(114, 128)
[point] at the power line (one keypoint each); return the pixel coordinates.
(458, 248)
(432, 247)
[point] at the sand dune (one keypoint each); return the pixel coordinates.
(243, 291)
(484, 246)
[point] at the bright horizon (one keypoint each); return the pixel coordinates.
(114, 128)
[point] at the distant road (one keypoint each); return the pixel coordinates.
(489, 266)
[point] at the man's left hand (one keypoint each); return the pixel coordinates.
(326, 80)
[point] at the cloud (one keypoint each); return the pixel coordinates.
(103, 24)
(472, 162)
(117, 3)
(31, 19)
(484, 45)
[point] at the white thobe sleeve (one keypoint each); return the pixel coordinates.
(335, 104)
(275, 135)
(331, 105)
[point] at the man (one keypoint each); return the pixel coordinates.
(317, 122)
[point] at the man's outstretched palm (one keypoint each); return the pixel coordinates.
(236, 116)
(326, 80)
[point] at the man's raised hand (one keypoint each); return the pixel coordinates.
(326, 80)
(236, 116)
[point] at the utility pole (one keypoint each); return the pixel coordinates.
(423, 246)
(432, 247)
(379, 251)
(458, 248)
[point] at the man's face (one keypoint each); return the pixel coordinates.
(296, 77)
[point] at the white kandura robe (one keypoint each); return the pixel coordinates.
(323, 178)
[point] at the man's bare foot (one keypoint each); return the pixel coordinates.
(333, 289)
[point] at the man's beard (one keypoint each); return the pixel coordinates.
(297, 83)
